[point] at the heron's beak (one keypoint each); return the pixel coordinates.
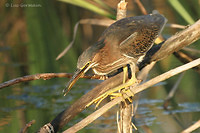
(78, 73)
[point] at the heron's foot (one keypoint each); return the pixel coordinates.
(126, 94)
(115, 95)
(98, 100)
(111, 92)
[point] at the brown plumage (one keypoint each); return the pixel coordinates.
(122, 43)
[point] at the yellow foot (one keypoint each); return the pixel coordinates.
(125, 93)
(125, 84)
(111, 91)
(116, 94)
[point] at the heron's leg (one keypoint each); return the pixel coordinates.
(111, 91)
(132, 81)
(123, 90)
(114, 94)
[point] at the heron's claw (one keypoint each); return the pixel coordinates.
(112, 92)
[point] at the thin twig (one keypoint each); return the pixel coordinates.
(194, 51)
(178, 26)
(192, 127)
(118, 123)
(141, 7)
(43, 76)
(135, 90)
(24, 130)
(99, 22)
(125, 112)
(173, 91)
(185, 57)
(166, 75)
(71, 43)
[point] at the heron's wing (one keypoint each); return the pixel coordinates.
(141, 34)
(138, 43)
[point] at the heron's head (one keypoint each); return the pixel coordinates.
(85, 62)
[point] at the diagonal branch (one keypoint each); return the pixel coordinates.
(173, 44)
(178, 41)
(135, 90)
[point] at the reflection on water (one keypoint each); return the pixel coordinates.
(43, 103)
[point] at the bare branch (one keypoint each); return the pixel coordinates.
(100, 22)
(178, 26)
(194, 51)
(92, 117)
(135, 90)
(141, 7)
(173, 44)
(178, 41)
(185, 58)
(192, 127)
(71, 43)
(172, 91)
(78, 106)
(125, 111)
(24, 130)
(166, 75)
(43, 76)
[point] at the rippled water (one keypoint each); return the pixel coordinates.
(43, 103)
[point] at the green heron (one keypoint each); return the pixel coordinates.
(124, 42)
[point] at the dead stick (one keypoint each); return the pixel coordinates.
(24, 130)
(141, 7)
(173, 44)
(192, 127)
(185, 58)
(135, 90)
(178, 41)
(44, 76)
(125, 111)
(68, 114)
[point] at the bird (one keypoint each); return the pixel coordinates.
(123, 43)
